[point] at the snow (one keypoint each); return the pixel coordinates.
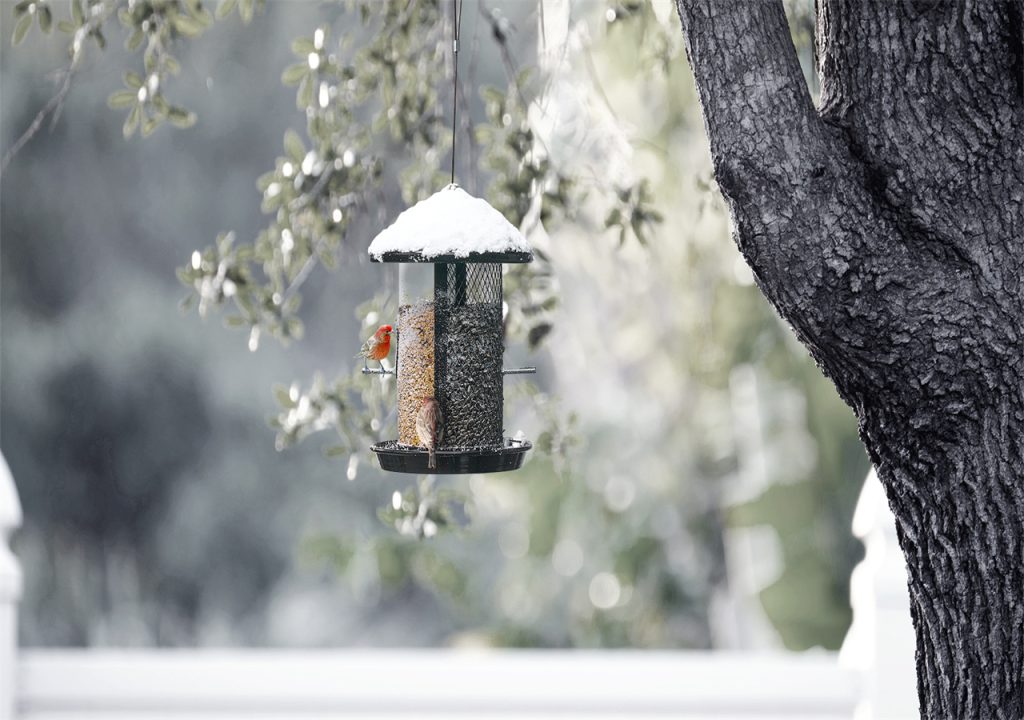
(449, 222)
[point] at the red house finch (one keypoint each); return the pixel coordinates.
(377, 346)
(430, 428)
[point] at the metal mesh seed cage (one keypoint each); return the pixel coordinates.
(468, 353)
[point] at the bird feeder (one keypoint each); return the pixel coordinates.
(450, 249)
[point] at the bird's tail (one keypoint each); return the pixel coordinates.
(432, 459)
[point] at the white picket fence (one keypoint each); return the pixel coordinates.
(872, 677)
(10, 592)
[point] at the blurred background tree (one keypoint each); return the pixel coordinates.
(693, 477)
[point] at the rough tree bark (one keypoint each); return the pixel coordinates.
(887, 226)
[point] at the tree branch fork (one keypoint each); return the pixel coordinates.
(869, 263)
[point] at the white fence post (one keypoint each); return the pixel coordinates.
(881, 642)
(10, 592)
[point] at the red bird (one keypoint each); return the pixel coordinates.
(430, 428)
(377, 346)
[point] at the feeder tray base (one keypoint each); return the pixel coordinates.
(394, 457)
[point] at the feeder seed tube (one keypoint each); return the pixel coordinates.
(415, 366)
(471, 391)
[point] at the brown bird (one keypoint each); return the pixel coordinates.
(430, 428)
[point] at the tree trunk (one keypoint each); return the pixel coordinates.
(887, 226)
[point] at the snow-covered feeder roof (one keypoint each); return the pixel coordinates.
(451, 226)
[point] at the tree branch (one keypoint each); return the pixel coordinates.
(53, 105)
(757, 110)
(891, 226)
(830, 259)
(791, 188)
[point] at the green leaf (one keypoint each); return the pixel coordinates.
(149, 125)
(294, 328)
(246, 9)
(181, 118)
(524, 77)
(204, 17)
(293, 304)
(132, 122)
(244, 302)
(77, 14)
(293, 146)
(294, 73)
(303, 47)
(264, 180)
(335, 451)
(160, 103)
(122, 99)
(21, 8)
(537, 334)
(269, 205)
(304, 98)
(224, 8)
(21, 28)
(132, 80)
(224, 241)
(283, 396)
(493, 95)
(186, 25)
(135, 40)
(638, 230)
(45, 19)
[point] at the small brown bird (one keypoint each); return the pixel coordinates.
(377, 346)
(430, 428)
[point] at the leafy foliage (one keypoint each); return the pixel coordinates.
(372, 102)
(24, 11)
(372, 91)
(85, 22)
(632, 212)
(365, 106)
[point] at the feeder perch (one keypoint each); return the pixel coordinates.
(450, 249)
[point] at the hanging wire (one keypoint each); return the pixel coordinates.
(457, 25)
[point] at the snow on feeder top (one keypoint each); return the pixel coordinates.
(451, 226)
(450, 333)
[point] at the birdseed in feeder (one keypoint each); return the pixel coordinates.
(415, 366)
(471, 387)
